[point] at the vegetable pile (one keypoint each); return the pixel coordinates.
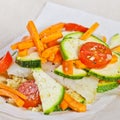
(79, 65)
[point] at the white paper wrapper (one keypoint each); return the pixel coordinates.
(21, 113)
(51, 14)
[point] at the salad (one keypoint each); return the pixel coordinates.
(62, 67)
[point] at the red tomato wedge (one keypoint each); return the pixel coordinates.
(95, 55)
(5, 62)
(75, 27)
(30, 89)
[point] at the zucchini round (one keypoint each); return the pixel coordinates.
(71, 44)
(105, 86)
(30, 61)
(109, 73)
(77, 73)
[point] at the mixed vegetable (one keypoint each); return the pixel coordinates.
(61, 68)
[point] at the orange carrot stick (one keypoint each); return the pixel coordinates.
(52, 37)
(52, 43)
(114, 59)
(63, 105)
(22, 44)
(22, 53)
(44, 60)
(89, 31)
(52, 57)
(73, 104)
(25, 45)
(67, 67)
(116, 49)
(35, 36)
(51, 29)
(45, 46)
(19, 102)
(104, 39)
(14, 46)
(58, 58)
(79, 64)
(3, 86)
(47, 52)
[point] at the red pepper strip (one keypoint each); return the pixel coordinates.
(5, 62)
(75, 27)
(118, 81)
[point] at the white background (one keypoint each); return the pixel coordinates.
(14, 14)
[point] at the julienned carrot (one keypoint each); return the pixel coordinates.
(52, 37)
(49, 51)
(104, 38)
(116, 49)
(67, 67)
(114, 59)
(53, 55)
(45, 46)
(89, 31)
(73, 104)
(19, 102)
(25, 45)
(52, 43)
(14, 46)
(63, 105)
(43, 60)
(3, 86)
(51, 29)
(79, 64)
(22, 53)
(58, 58)
(35, 36)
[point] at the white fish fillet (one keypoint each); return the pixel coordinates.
(16, 70)
(85, 86)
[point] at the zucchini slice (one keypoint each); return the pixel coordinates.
(71, 44)
(76, 96)
(105, 86)
(110, 73)
(77, 73)
(51, 92)
(30, 61)
(115, 40)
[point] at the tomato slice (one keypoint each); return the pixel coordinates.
(75, 27)
(30, 89)
(5, 62)
(95, 55)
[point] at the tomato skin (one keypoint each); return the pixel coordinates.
(95, 55)
(75, 27)
(30, 89)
